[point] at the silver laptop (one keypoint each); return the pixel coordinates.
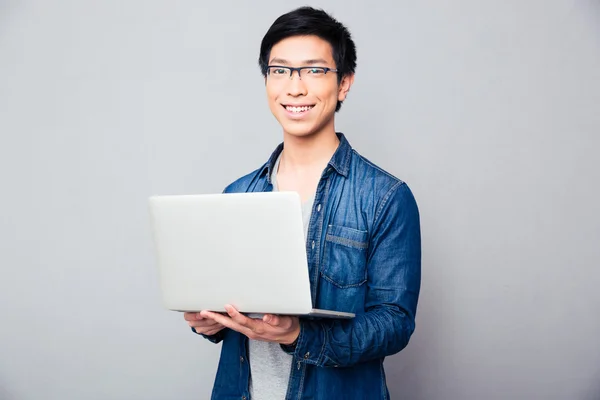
(243, 249)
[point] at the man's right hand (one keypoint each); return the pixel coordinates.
(205, 326)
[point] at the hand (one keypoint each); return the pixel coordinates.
(272, 328)
(203, 325)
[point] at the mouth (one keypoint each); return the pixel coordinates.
(298, 109)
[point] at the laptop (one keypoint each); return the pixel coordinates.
(243, 249)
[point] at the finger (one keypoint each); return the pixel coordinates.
(189, 316)
(209, 315)
(199, 316)
(214, 330)
(208, 331)
(202, 324)
(241, 319)
(227, 321)
(272, 320)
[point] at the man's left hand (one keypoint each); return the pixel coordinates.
(271, 328)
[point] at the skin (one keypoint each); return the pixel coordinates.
(309, 143)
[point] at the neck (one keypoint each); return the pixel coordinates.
(309, 151)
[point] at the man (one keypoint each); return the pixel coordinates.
(362, 236)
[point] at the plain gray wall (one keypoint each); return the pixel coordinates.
(489, 110)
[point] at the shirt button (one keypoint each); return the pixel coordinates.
(307, 355)
(313, 244)
(243, 397)
(242, 359)
(318, 208)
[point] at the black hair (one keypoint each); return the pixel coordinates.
(306, 21)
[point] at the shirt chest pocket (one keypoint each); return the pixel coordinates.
(345, 256)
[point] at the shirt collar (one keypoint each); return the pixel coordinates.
(340, 161)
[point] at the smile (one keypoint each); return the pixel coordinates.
(298, 109)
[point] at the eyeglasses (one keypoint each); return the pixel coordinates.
(279, 72)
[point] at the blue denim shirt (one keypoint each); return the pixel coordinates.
(364, 256)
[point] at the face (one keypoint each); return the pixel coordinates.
(305, 107)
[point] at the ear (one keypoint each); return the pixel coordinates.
(344, 86)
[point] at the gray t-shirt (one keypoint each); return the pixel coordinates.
(270, 366)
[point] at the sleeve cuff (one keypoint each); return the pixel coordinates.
(311, 343)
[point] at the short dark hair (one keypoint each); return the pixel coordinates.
(305, 21)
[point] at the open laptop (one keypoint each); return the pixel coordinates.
(243, 249)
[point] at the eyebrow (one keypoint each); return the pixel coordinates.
(281, 61)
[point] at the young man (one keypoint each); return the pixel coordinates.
(362, 237)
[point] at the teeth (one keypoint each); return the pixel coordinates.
(298, 109)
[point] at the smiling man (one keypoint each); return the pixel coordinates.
(362, 236)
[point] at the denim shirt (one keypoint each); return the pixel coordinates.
(364, 256)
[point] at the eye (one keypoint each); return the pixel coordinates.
(279, 71)
(316, 71)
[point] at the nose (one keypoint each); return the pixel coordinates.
(295, 86)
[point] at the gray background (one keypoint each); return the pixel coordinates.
(489, 110)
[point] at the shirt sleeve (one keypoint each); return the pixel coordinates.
(393, 279)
